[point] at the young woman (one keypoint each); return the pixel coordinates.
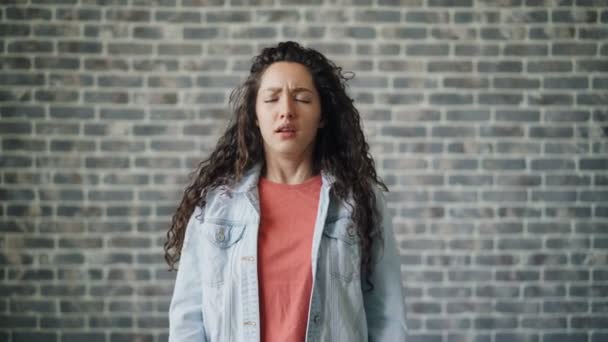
(283, 233)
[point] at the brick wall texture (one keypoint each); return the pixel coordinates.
(487, 118)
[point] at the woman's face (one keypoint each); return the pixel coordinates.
(288, 110)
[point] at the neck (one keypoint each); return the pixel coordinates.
(288, 171)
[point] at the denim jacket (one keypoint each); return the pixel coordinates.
(215, 298)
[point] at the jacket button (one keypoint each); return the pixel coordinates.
(220, 236)
(351, 231)
(316, 319)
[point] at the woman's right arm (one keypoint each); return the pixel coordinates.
(185, 314)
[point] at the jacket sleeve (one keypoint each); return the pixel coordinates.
(384, 305)
(185, 314)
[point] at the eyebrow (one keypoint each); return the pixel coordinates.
(295, 90)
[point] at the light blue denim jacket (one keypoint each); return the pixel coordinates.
(215, 298)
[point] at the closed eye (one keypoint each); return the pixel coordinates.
(303, 101)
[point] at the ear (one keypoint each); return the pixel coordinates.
(322, 123)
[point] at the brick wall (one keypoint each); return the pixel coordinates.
(487, 119)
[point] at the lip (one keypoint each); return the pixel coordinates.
(286, 126)
(287, 135)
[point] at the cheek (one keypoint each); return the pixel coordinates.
(265, 125)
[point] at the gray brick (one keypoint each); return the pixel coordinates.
(79, 47)
(105, 97)
(504, 164)
(476, 50)
(80, 337)
(198, 3)
(563, 337)
(62, 322)
(175, 49)
(34, 336)
(550, 32)
(417, 16)
(201, 33)
(107, 162)
(30, 46)
(501, 131)
(377, 16)
(130, 49)
(404, 32)
(178, 17)
(78, 14)
(127, 337)
(56, 30)
(592, 99)
(501, 291)
(440, 66)
(592, 65)
(460, 82)
(451, 99)
(56, 63)
(130, 15)
(504, 66)
(228, 16)
(395, 98)
(551, 132)
(24, 306)
(599, 336)
(573, 49)
(105, 64)
(15, 63)
(28, 13)
(569, 16)
(567, 116)
(450, 3)
(468, 115)
(427, 49)
(14, 30)
(549, 66)
(552, 164)
(305, 32)
(17, 144)
(516, 82)
(469, 276)
(593, 164)
(600, 83)
(589, 322)
(529, 50)
(500, 99)
(504, 33)
(106, 322)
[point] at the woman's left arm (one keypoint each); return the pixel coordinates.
(384, 305)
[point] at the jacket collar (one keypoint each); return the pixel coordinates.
(250, 179)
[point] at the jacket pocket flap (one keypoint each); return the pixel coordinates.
(224, 234)
(342, 229)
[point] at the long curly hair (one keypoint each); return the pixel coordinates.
(340, 149)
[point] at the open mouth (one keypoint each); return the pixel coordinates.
(286, 132)
(285, 129)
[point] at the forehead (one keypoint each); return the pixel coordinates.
(293, 75)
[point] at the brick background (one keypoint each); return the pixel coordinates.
(487, 119)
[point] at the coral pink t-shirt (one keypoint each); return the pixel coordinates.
(288, 214)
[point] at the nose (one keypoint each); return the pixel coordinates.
(287, 107)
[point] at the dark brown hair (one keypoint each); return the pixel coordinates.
(340, 150)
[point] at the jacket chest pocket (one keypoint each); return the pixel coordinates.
(339, 251)
(219, 246)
